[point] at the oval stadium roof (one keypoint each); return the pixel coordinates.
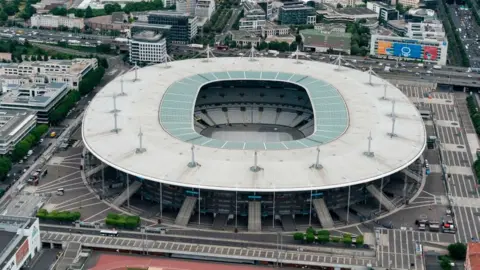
(164, 112)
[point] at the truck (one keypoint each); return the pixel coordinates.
(437, 67)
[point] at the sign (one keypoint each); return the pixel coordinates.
(22, 252)
(407, 50)
(384, 48)
(34, 231)
(430, 53)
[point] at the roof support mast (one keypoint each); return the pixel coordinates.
(255, 167)
(253, 52)
(122, 93)
(369, 152)
(140, 148)
(394, 118)
(338, 61)
(193, 163)
(317, 164)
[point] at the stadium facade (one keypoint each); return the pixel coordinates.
(254, 143)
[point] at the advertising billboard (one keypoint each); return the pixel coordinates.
(407, 50)
(430, 53)
(384, 48)
(22, 252)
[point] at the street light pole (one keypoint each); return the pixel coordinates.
(310, 212)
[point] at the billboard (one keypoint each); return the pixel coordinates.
(407, 50)
(430, 53)
(384, 48)
(22, 252)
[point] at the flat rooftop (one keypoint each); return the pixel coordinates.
(355, 11)
(5, 239)
(21, 96)
(347, 110)
(10, 120)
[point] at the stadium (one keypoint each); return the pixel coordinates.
(253, 144)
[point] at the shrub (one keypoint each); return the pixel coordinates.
(62, 216)
(298, 236)
(310, 230)
(122, 221)
(322, 238)
(360, 240)
(310, 238)
(323, 232)
(335, 239)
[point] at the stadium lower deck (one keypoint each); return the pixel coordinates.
(216, 209)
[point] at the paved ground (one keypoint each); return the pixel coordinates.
(44, 260)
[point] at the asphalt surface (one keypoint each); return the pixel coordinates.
(43, 261)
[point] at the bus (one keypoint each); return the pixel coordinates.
(109, 232)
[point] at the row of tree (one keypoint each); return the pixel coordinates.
(62, 109)
(91, 80)
(456, 50)
(22, 147)
(122, 221)
(61, 216)
(324, 236)
(475, 116)
(360, 38)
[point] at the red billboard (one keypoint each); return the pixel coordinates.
(430, 53)
(22, 252)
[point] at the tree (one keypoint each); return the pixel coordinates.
(445, 263)
(88, 12)
(310, 238)
(339, 5)
(457, 251)
(3, 16)
(298, 236)
(360, 240)
(5, 166)
(59, 11)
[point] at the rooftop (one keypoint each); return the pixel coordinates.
(243, 35)
(422, 12)
(22, 95)
(473, 253)
(147, 36)
(345, 106)
(11, 120)
(355, 11)
(322, 39)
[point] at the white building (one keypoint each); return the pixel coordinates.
(20, 241)
(186, 6)
(409, 3)
(148, 47)
(52, 21)
(406, 48)
(65, 71)
(254, 17)
(14, 126)
(273, 30)
(432, 29)
(205, 9)
(40, 98)
(169, 3)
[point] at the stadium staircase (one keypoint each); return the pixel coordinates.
(323, 214)
(210, 120)
(95, 170)
(220, 221)
(226, 117)
(288, 223)
(124, 196)
(384, 200)
(413, 175)
(183, 216)
(254, 217)
(342, 214)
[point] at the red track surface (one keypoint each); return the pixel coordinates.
(121, 262)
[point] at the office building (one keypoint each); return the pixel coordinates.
(70, 72)
(254, 17)
(148, 47)
(19, 241)
(318, 41)
(244, 38)
(183, 26)
(406, 48)
(186, 6)
(385, 12)
(331, 27)
(267, 6)
(350, 14)
(205, 9)
(14, 126)
(296, 13)
(271, 29)
(41, 98)
(432, 29)
(52, 21)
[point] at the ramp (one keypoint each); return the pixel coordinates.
(323, 214)
(288, 223)
(183, 216)
(342, 214)
(254, 217)
(124, 196)
(95, 170)
(413, 175)
(69, 256)
(220, 221)
(377, 194)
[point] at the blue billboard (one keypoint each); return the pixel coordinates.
(407, 50)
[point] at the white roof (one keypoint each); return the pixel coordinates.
(166, 157)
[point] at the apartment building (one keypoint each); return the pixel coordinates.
(52, 21)
(254, 17)
(14, 126)
(186, 6)
(70, 72)
(148, 47)
(296, 13)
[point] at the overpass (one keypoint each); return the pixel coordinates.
(357, 257)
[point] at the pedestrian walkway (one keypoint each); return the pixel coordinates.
(323, 214)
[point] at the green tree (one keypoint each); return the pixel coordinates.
(457, 251)
(339, 5)
(298, 236)
(360, 240)
(310, 237)
(5, 166)
(445, 263)
(20, 150)
(88, 12)
(3, 16)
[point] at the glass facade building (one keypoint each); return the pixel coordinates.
(295, 13)
(183, 26)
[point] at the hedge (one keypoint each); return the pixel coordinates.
(43, 214)
(323, 236)
(122, 221)
(475, 116)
